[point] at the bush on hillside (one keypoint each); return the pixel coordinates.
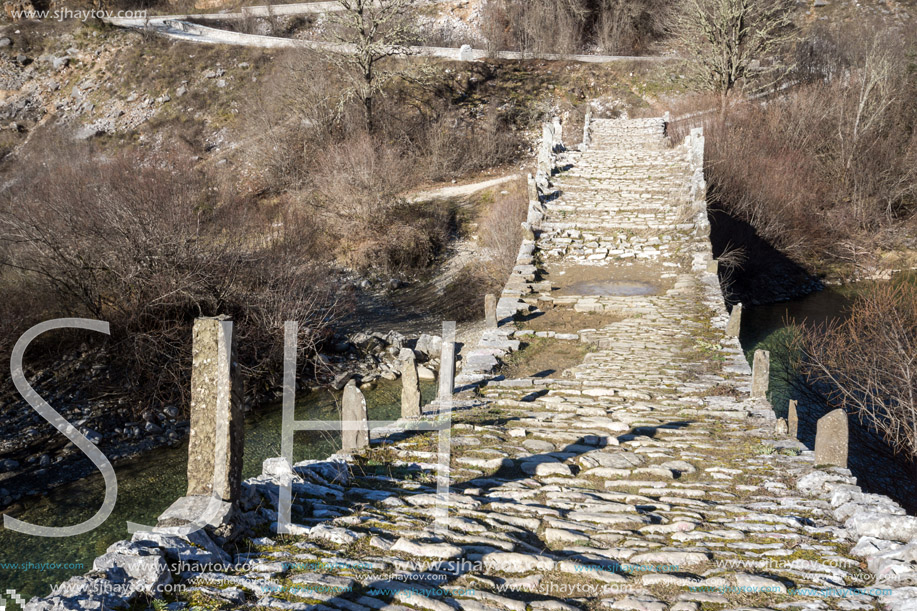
(574, 26)
(148, 244)
(827, 172)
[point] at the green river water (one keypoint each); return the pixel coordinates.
(148, 485)
(765, 327)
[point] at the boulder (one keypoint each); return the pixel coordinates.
(429, 346)
(341, 380)
(883, 526)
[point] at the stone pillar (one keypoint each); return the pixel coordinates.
(780, 428)
(354, 425)
(546, 151)
(447, 364)
(792, 419)
(410, 386)
(734, 326)
(696, 151)
(490, 311)
(831, 439)
(547, 134)
(586, 127)
(216, 443)
(760, 373)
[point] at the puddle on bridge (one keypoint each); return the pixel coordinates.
(609, 280)
(611, 288)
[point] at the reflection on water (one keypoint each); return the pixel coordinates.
(148, 486)
(766, 327)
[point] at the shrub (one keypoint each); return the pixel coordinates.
(147, 244)
(826, 173)
(865, 364)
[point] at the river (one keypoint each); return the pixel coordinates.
(765, 327)
(149, 484)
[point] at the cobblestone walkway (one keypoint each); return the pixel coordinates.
(643, 479)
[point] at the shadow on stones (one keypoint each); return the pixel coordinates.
(650, 431)
(446, 572)
(550, 197)
(870, 459)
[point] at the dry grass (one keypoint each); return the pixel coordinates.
(545, 357)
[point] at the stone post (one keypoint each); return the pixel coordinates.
(792, 419)
(216, 444)
(586, 127)
(546, 151)
(354, 425)
(831, 439)
(760, 373)
(410, 386)
(490, 311)
(734, 326)
(447, 364)
(696, 151)
(547, 135)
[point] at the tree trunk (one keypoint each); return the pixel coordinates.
(368, 112)
(724, 103)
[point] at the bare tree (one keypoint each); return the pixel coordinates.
(729, 41)
(862, 115)
(370, 31)
(573, 26)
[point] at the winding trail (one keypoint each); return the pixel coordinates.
(462, 190)
(178, 27)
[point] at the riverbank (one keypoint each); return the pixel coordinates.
(35, 458)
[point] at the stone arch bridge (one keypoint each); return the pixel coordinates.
(644, 478)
